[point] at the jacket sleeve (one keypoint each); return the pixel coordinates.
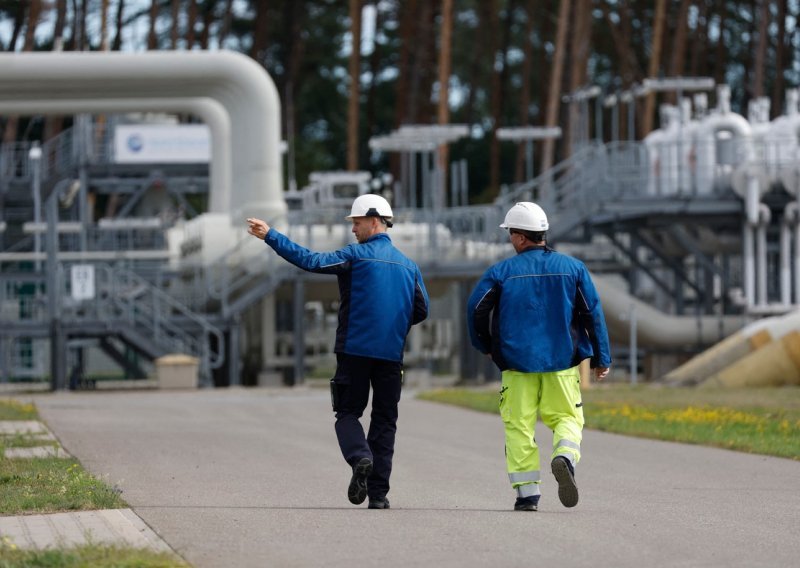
(479, 310)
(421, 300)
(322, 262)
(590, 314)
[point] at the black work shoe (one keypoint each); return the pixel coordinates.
(379, 503)
(357, 490)
(565, 476)
(527, 503)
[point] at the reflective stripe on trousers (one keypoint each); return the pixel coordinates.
(526, 483)
(556, 398)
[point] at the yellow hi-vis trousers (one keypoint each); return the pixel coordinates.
(556, 397)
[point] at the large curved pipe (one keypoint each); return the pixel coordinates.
(209, 110)
(234, 80)
(655, 328)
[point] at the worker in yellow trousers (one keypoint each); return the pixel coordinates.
(537, 314)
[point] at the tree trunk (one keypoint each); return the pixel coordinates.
(152, 39)
(19, 21)
(116, 45)
(374, 72)
(757, 87)
(490, 16)
(419, 63)
(54, 124)
(58, 31)
(652, 69)
(227, 18)
(406, 11)
(476, 66)
(207, 20)
(721, 53)
(780, 52)
(554, 94)
(699, 43)
(103, 25)
(174, 32)
(293, 17)
(525, 91)
(579, 48)
(34, 13)
(191, 22)
(678, 58)
(354, 93)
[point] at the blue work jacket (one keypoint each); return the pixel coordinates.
(538, 312)
(381, 292)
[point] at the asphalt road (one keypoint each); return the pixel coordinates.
(255, 478)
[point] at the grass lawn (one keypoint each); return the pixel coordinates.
(51, 485)
(761, 421)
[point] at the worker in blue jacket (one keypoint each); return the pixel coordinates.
(381, 296)
(538, 316)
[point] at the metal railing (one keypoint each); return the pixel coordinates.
(123, 296)
(123, 303)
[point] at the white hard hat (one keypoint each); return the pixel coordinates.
(370, 205)
(526, 216)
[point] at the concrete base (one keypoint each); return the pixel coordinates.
(177, 372)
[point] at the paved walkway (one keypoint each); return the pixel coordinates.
(254, 478)
(113, 526)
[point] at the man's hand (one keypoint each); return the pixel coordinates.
(257, 228)
(600, 373)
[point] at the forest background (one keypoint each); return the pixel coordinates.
(484, 63)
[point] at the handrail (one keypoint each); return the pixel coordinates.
(159, 300)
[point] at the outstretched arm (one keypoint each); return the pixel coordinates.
(323, 262)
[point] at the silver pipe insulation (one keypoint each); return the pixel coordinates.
(209, 110)
(655, 328)
(234, 80)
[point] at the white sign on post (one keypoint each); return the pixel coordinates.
(82, 281)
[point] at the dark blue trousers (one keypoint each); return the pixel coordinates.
(350, 396)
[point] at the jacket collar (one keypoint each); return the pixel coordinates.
(529, 248)
(378, 236)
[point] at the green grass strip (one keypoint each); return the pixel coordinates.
(11, 409)
(759, 421)
(50, 485)
(89, 555)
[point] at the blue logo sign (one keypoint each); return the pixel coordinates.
(135, 143)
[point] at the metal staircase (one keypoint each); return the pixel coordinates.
(128, 311)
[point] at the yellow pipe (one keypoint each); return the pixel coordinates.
(776, 364)
(740, 344)
(710, 361)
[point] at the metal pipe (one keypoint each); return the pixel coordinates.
(790, 231)
(298, 305)
(35, 157)
(749, 265)
(211, 112)
(464, 183)
(761, 254)
(785, 259)
(655, 328)
(234, 80)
